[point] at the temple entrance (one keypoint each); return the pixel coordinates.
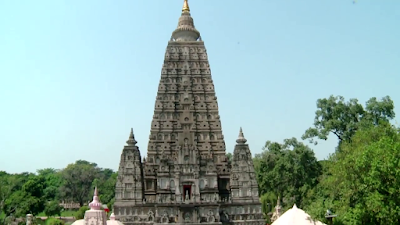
(187, 191)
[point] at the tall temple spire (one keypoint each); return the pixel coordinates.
(131, 140)
(186, 153)
(185, 7)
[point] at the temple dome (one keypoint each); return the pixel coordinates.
(296, 216)
(79, 222)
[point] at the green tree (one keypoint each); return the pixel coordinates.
(363, 187)
(229, 156)
(52, 182)
(20, 203)
(53, 208)
(13, 200)
(77, 181)
(268, 203)
(289, 170)
(106, 187)
(7, 186)
(25, 199)
(343, 119)
(81, 212)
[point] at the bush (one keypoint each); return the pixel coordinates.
(54, 221)
(53, 208)
(81, 212)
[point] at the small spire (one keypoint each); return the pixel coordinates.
(95, 204)
(241, 138)
(112, 216)
(277, 212)
(185, 7)
(131, 141)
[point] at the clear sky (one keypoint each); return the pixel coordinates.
(75, 75)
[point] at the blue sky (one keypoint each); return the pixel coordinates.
(75, 76)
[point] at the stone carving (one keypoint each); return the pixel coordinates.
(165, 218)
(187, 217)
(210, 217)
(186, 166)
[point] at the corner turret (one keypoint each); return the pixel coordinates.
(244, 186)
(129, 185)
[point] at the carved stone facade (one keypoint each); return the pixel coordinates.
(186, 177)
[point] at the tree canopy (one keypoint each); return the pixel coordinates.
(363, 187)
(42, 192)
(343, 119)
(289, 169)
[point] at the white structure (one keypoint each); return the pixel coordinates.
(112, 220)
(96, 215)
(296, 216)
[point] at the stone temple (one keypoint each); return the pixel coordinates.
(186, 177)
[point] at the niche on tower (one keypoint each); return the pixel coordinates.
(187, 191)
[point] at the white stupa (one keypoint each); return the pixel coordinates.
(296, 216)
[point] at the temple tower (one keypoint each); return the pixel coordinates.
(186, 175)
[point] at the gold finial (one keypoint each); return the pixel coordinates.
(185, 7)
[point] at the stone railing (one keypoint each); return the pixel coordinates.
(71, 205)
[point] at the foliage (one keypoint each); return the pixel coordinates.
(54, 221)
(77, 181)
(268, 201)
(28, 199)
(289, 169)
(343, 119)
(81, 212)
(34, 193)
(110, 204)
(53, 182)
(363, 187)
(229, 156)
(53, 208)
(106, 185)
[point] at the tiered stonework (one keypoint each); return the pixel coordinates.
(186, 177)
